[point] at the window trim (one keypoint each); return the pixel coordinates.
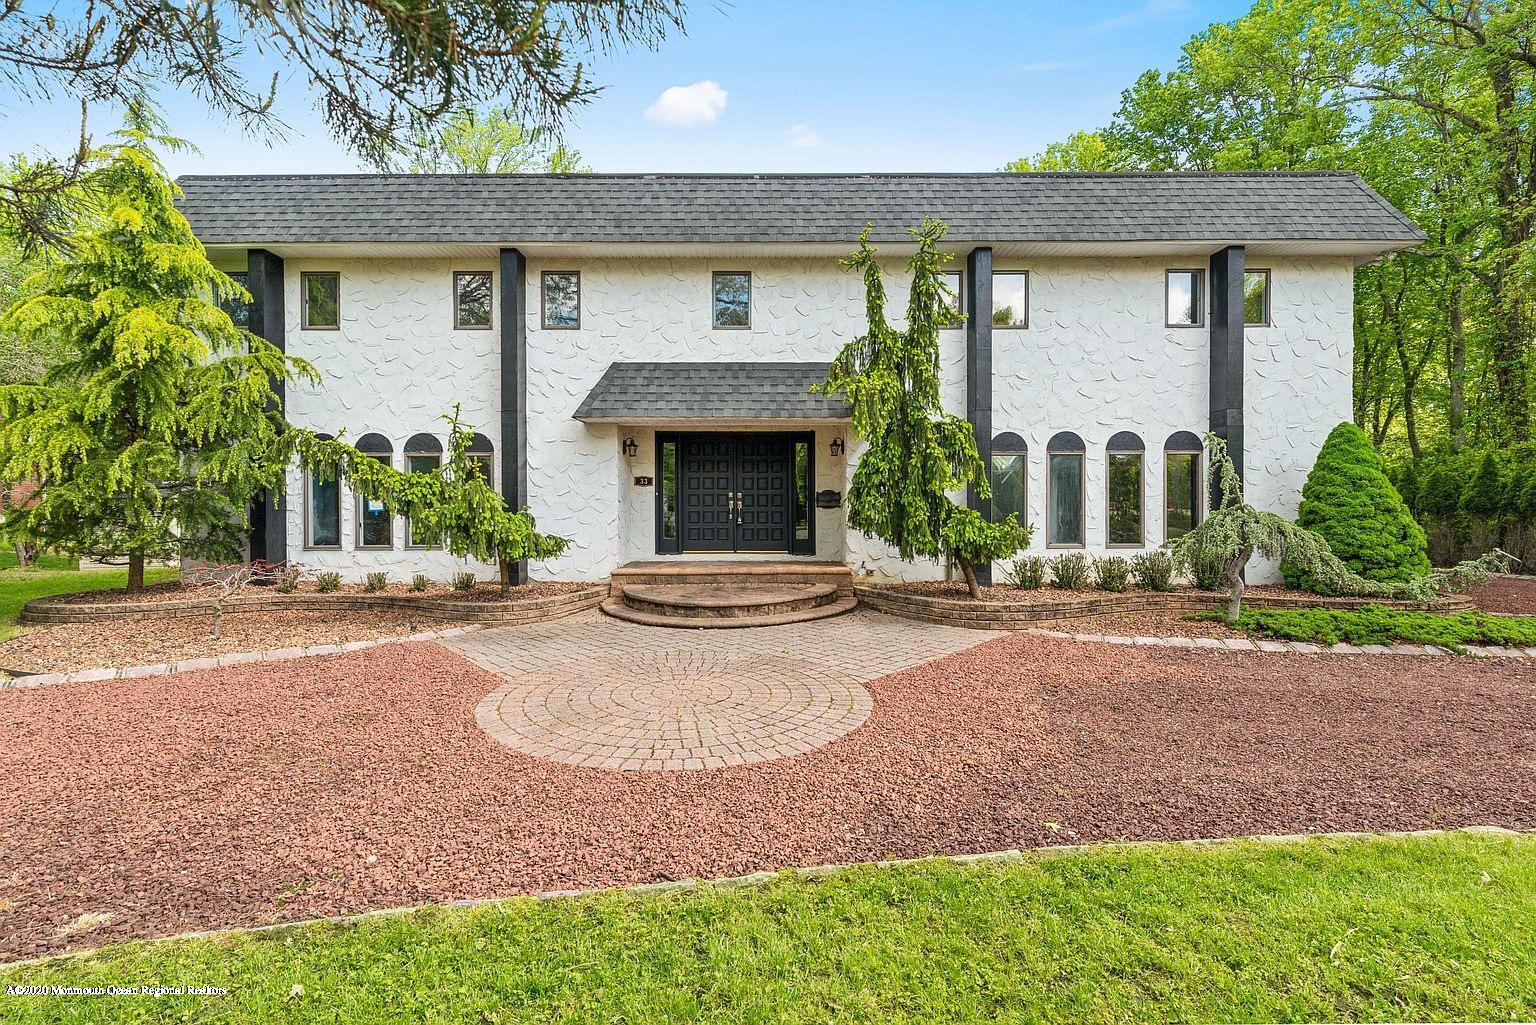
(304, 276)
(959, 299)
(490, 324)
(309, 546)
(1198, 299)
(664, 544)
(1027, 286)
(715, 325)
(1269, 280)
(544, 324)
(1082, 489)
(389, 461)
(1199, 495)
(1141, 498)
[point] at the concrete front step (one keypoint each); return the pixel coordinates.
(725, 601)
(616, 608)
(733, 573)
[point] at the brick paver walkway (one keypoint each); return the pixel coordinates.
(599, 692)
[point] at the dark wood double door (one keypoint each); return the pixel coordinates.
(736, 492)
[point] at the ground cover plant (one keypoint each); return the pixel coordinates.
(1414, 928)
(1378, 624)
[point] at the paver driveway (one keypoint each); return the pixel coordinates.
(603, 693)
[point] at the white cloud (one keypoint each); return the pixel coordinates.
(804, 137)
(688, 104)
(1148, 10)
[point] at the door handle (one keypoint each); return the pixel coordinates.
(738, 508)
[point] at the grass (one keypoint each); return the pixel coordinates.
(1376, 624)
(1404, 928)
(54, 575)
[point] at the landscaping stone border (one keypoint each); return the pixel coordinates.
(237, 658)
(1004, 615)
(1291, 647)
(765, 877)
(52, 611)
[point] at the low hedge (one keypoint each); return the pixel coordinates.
(1376, 624)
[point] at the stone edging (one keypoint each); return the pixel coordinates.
(1073, 606)
(1291, 647)
(216, 661)
(802, 872)
(51, 611)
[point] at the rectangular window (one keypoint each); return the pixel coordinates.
(802, 491)
(420, 464)
(1010, 472)
(562, 299)
(1181, 478)
(1256, 298)
(666, 495)
(732, 299)
(322, 508)
(955, 281)
(375, 526)
(1065, 480)
(320, 292)
(238, 309)
(472, 300)
(1010, 298)
(1185, 298)
(1123, 493)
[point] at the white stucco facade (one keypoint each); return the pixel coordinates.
(1096, 359)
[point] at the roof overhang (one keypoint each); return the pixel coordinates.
(721, 394)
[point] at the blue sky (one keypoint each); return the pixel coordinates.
(798, 85)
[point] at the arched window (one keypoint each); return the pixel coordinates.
(322, 509)
(423, 454)
(484, 454)
(1182, 484)
(1123, 490)
(1064, 495)
(1010, 477)
(375, 526)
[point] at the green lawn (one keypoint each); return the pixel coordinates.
(55, 575)
(1415, 928)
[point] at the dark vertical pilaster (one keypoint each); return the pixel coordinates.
(1227, 355)
(264, 280)
(514, 387)
(978, 372)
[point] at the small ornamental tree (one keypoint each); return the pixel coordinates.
(150, 435)
(917, 453)
(454, 504)
(1484, 497)
(1351, 504)
(1440, 494)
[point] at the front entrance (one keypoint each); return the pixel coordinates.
(736, 492)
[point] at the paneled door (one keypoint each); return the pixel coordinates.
(735, 492)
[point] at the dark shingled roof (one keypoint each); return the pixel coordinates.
(711, 391)
(675, 208)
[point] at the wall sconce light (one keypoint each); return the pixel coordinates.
(837, 446)
(631, 448)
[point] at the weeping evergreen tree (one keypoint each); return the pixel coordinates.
(917, 454)
(156, 427)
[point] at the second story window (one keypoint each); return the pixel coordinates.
(732, 299)
(472, 300)
(1256, 298)
(955, 281)
(238, 309)
(321, 295)
(562, 299)
(1010, 298)
(1185, 298)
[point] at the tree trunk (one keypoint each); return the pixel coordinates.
(970, 579)
(1235, 579)
(506, 576)
(218, 618)
(26, 554)
(135, 572)
(1456, 370)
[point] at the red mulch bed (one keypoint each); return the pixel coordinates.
(1049, 595)
(1148, 624)
(176, 591)
(361, 781)
(1506, 594)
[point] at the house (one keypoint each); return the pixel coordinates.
(636, 351)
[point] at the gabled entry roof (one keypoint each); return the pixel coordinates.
(990, 208)
(671, 392)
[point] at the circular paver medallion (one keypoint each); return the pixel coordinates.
(670, 710)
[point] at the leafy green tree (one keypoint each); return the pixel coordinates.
(917, 453)
(1408, 485)
(1484, 497)
(1080, 151)
(490, 142)
(1443, 487)
(453, 504)
(1349, 502)
(21, 360)
(152, 434)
